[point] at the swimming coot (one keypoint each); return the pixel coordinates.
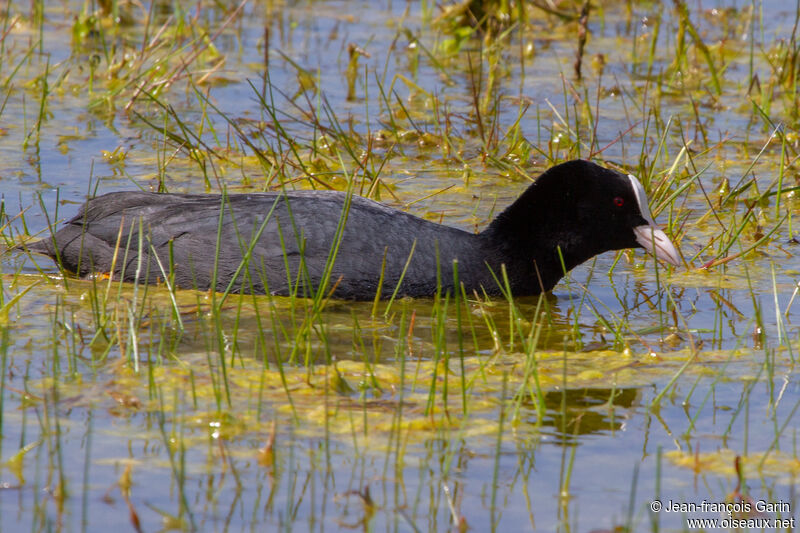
(578, 207)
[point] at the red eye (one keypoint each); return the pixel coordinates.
(619, 201)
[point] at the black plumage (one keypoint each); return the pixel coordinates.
(578, 207)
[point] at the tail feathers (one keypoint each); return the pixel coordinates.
(68, 247)
(42, 246)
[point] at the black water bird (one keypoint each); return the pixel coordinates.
(281, 242)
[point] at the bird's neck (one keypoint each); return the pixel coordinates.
(534, 248)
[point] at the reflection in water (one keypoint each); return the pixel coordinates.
(573, 413)
(272, 327)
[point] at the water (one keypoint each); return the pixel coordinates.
(113, 415)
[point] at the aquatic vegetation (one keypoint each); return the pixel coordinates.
(146, 407)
